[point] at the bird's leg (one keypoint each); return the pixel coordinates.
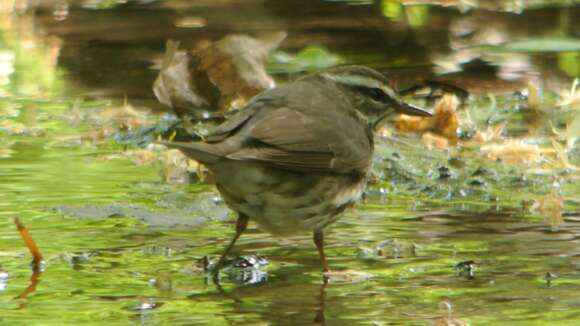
(319, 242)
(241, 225)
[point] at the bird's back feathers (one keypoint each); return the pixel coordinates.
(281, 129)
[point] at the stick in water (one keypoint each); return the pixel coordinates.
(25, 235)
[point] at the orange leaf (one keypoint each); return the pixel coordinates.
(434, 141)
(444, 122)
(445, 117)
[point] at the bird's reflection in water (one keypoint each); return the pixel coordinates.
(290, 297)
(320, 319)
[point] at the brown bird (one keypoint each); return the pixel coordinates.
(300, 154)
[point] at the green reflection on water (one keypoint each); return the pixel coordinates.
(101, 271)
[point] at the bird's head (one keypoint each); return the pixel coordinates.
(370, 93)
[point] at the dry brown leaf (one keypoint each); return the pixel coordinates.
(513, 152)
(432, 141)
(444, 122)
(413, 124)
(236, 65)
(178, 87)
(215, 75)
(492, 134)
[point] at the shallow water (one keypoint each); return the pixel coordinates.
(104, 268)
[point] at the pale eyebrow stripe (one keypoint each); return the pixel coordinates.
(361, 81)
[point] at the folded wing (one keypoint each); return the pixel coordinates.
(290, 139)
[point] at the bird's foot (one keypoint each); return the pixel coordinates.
(241, 270)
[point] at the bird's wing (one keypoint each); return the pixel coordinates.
(228, 127)
(291, 139)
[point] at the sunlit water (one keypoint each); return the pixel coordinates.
(121, 270)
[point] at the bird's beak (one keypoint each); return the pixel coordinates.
(410, 109)
(402, 107)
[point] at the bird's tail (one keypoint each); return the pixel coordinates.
(202, 152)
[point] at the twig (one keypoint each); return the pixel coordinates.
(30, 244)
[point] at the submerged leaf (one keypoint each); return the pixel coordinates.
(512, 152)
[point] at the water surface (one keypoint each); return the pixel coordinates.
(62, 65)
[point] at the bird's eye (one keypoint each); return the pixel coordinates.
(376, 94)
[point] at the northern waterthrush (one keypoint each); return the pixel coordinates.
(300, 154)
